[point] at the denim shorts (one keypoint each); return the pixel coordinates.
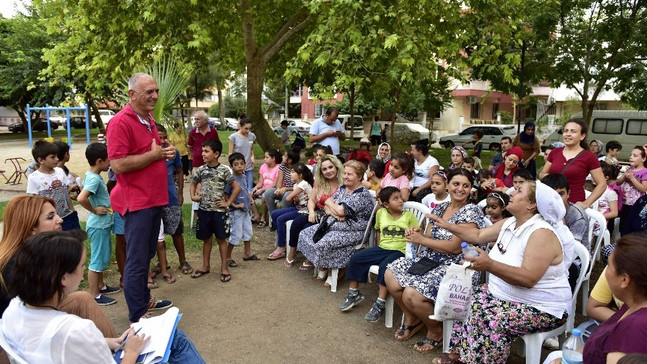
(241, 226)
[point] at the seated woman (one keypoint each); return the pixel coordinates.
(625, 332)
(25, 216)
(347, 214)
(416, 294)
(528, 288)
(49, 266)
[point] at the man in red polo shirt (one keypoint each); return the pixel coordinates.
(199, 134)
(138, 160)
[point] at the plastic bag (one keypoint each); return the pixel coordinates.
(454, 298)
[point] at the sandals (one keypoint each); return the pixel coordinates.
(275, 255)
(251, 257)
(232, 263)
(446, 358)
(306, 266)
(225, 277)
(413, 329)
(157, 270)
(199, 273)
(421, 348)
(288, 263)
(169, 279)
(152, 285)
(186, 268)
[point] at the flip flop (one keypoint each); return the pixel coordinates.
(288, 263)
(399, 335)
(186, 268)
(232, 263)
(152, 285)
(306, 266)
(198, 273)
(275, 255)
(420, 345)
(169, 279)
(251, 257)
(225, 277)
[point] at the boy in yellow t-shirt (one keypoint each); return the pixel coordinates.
(391, 223)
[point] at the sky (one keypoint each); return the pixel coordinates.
(7, 7)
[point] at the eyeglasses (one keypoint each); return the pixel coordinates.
(501, 248)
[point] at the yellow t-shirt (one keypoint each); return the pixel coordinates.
(392, 230)
(602, 293)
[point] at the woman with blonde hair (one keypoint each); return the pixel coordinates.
(25, 216)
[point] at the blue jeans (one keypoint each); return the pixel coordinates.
(279, 218)
(298, 224)
(249, 175)
(270, 199)
(141, 229)
(361, 262)
(183, 351)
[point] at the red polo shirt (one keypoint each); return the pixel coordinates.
(195, 141)
(144, 188)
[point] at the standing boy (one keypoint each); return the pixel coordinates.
(51, 181)
(241, 221)
(95, 198)
(213, 218)
(478, 147)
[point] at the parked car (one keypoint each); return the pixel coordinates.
(232, 124)
(492, 135)
(628, 127)
(39, 125)
(106, 115)
(294, 127)
(358, 133)
(79, 122)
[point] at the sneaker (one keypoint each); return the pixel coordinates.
(105, 301)
(352, 299)
(551, 343)
(109, 290)
(159, 304)
(375, 313)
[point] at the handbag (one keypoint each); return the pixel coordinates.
(322, 229)
(454, 299)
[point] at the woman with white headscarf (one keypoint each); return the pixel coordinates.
(384, 155)
(528, 288)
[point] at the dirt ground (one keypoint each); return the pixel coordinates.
(267, 313)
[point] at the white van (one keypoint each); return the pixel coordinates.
(628, 127)
(358, 133)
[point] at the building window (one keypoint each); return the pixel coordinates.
(474, 111)
(318, 110)
(495, 110)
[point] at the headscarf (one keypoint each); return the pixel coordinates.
(551, 207)
(388, 157)
(460, 149)
(556, 145)
(600, 147)
(525, 138)
(516, 150)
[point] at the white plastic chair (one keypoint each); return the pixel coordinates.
(419, 211)
(533, 342)
(594, 216)
(14, 358)
(194, 210)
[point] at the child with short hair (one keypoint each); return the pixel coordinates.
(267, 174)
(391, 222)
(438, 193)
(613, 148)
(73, 180)
(50, 181)
(285, 134)
(213, 217)
(303, 182)
(488, 184)
(242, 142)
(95, 198)
(400, 174)
(478, 147)
(241, 221)
(608, 201)
(519, 177)
(318, 152)
(373, 175)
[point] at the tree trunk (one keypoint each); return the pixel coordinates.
(95, 112)
(264, 135)
(221, 109)
(396, 105)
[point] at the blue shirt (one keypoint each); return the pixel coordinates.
(171, 166)
(243, 196)
(94, 184)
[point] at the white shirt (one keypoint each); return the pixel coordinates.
(320, 127)
(421, 171)
(47, 336)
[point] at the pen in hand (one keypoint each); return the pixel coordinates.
(121, 346)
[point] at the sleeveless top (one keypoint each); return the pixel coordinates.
(552, 293)
(322, 200)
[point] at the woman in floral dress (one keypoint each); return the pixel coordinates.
(416, 294)
(347, 214)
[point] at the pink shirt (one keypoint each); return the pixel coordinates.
(144, 188)
(268, 175)
(401, 182)
(630, 194)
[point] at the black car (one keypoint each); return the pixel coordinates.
(40, 125)
(78, 122)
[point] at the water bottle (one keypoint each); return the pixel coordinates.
(572, 348)
(468, 250)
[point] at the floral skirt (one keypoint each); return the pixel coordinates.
(494, 324)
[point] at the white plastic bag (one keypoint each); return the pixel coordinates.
(454, 298)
